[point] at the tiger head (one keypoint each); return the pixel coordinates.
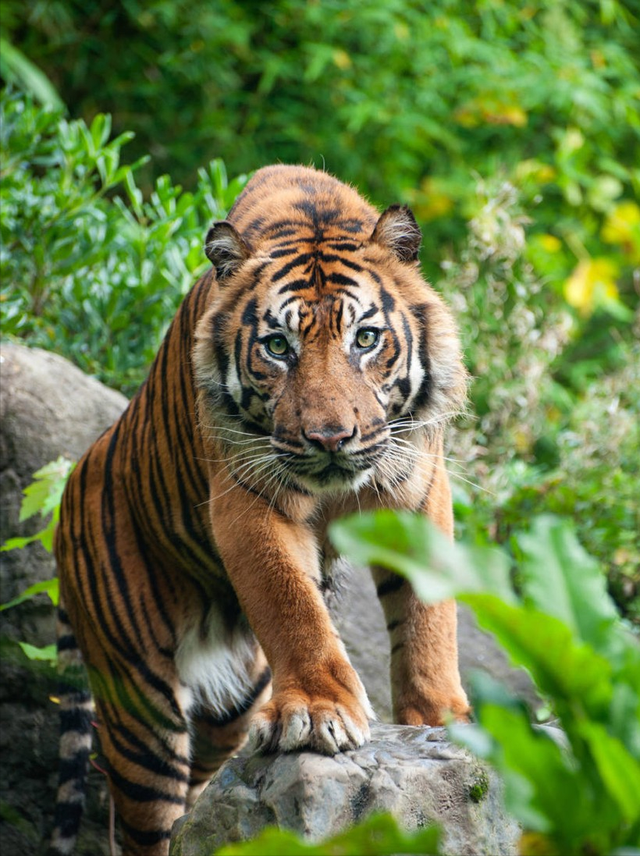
(323, 351)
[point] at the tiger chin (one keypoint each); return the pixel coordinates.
(310, 373)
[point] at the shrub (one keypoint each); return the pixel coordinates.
(86, 272)
(575, 799)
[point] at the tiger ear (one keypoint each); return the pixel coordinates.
(225, 249)
(398, 231)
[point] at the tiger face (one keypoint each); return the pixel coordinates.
(324, 349)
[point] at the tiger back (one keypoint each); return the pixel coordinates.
(309, 374)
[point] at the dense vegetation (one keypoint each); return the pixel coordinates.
(513, 129)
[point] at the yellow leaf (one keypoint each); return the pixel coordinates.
(591, 284)
(341, 59)
(431, 201)
(490, 111)
(536, 844)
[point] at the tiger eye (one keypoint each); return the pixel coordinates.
(278, 346)
(366, 338)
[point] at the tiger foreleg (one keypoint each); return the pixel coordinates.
(425, 677)
(318, 700)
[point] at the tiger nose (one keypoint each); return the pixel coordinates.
(329, 439)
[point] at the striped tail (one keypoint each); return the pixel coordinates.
(76, 713)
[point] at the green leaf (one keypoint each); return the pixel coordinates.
(49, 652)
(619, 770)
(49, 587)
(572, 587)
(16, 68)
(562, 668)
(43, 495)
(377, 836)
(542, 789)
(412, 546)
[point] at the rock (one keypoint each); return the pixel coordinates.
(47, 408)
(414, 773)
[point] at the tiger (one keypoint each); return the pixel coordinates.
(307, 375)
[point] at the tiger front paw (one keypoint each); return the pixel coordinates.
(328, 722)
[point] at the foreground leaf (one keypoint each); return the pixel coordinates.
(377, 836)
(413, 547)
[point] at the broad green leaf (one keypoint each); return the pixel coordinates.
(19, 543)
(412, 546)
(555, 792)
(619, 770)
(377, 836)
(562, 579)
(50, 587)
(562, 668)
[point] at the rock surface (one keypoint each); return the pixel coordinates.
(47, 408)
(414, 773)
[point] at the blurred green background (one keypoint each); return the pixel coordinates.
(511, 128)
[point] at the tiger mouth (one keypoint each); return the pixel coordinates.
(331, 469)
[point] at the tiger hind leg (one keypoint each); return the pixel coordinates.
(145, 744)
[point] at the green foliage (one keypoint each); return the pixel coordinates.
(555, 404)
(580, 798)
(49, 653)
(377, 836)
(17, 69)
(42, 497)
(404, 98)
(48, 587)
(77, 262)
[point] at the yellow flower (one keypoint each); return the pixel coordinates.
(622, 227)
(591, 284)
(550, 243)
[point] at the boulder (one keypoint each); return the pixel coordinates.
(48, 408)
(414, 773)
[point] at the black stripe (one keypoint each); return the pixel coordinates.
(390, 585)
(303, 258)
(74, 769)
(240, 708)
(67, 642)
(67, 818)
(142, 793)
(145, 838)
(76, 719)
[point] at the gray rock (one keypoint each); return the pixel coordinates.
(414, 773)
(47, 408)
